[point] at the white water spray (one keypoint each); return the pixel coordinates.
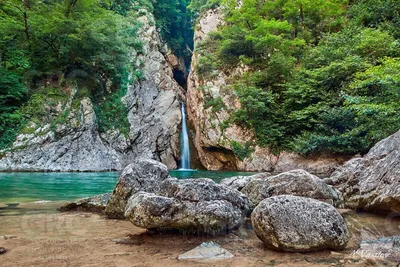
(185, 150)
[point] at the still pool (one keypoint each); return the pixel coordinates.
(31, 187)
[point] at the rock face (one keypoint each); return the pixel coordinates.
(78, 149)
(298, 224)
(153, 102)
(93, 204)
(189, 206)
(142, 175)
(372, 183)
(212, 141)
(296, 183)
(77, 145)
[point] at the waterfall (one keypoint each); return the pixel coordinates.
(185, 151)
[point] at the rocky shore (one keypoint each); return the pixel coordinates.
(291, 212)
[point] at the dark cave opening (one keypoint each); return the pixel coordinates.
(180, 78)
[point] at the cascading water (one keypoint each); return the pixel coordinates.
(185, 151)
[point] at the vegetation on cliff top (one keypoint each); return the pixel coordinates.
(83, 44)
(323, 76)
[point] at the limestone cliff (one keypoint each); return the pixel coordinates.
(214, 142)
(77, 145)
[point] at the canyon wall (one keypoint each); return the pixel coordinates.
(76, 144)
(213, 139)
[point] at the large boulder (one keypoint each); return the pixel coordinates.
(298, 224)
(189, 206)
(296, 182)
(142, 175)
(372, 183)
(239, 182)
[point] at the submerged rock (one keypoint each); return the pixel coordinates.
(298, 224)
(206, 251)
(189, 206)
(94, 204)
(372, 183)
(296, 183)
(142, 175)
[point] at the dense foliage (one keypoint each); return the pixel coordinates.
(51, 43)
(84, 44)
(322, 76)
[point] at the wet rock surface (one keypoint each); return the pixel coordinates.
(371, 183)
(298, 224)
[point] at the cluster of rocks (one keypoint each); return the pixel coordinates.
(293, 211)
(285, 218)
(148, 197)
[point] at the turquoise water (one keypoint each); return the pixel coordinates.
(31, 187)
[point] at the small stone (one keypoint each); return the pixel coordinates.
(206, 251)
(3, 250)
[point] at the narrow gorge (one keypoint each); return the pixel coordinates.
(229, 128)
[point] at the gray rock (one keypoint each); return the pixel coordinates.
(3, 250)
(206, 251)
(189, 206)
(93, 204)
(296, 182)
(198, 190)
(79, 148)
(142, 175)
(372, 183)
(153, 101)
(239, 182)
(153, 113)
(298, 224)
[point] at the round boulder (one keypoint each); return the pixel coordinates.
(298, 224)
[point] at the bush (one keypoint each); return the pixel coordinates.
(242, 152)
